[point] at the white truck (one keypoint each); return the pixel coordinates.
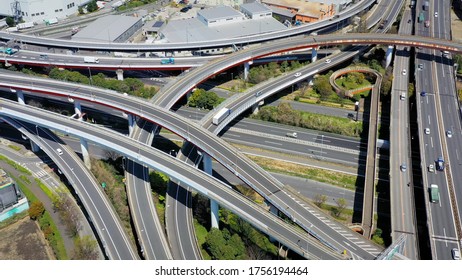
(25, 25)
(426, 5)
(90, 59)
(117, 4)
(220, 116)
(292, 134)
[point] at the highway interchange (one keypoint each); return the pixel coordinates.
(229, 156)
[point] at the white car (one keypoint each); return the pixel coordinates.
(431, 168)
(455, 254)
(298, 74)
(436, 14)
(328, 60)
(427, 130)
(404, 72)
(449, 134)
(60, 152)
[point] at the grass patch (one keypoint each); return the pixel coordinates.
(25, 179)
(160, 209)
(316, 174)
(201, 233)
(15, 165)
(115, 189)
(284, 114)
(346, 215)
(16, 148)
(351, 84)
(47, 225)
(44, 188)
(250, 193)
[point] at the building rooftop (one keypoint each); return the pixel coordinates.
(153, 25)
(5, 180)
(311, 9)
(281, 11)
(219, 12)
(255, 7)
(105, 29)
(193, 30)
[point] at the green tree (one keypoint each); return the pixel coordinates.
(341, 206)
(203, 99)
(36, 210)
(92, 6)
(320, 199)
(80, 9)
(322, 86)
(85, 248)
(221, 245)
(10, 21)
(285, 66)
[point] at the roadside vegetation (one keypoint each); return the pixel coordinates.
(135, 3)
(235, 240)
(284, 114)
(38, 213)
(130, 86)
(203, 99)
(109, 173)
(85, 247)
(159, 184)
(325, 176)
(90, 7)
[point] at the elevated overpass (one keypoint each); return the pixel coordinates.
(287, 234)
(249, 54)
(48, 42)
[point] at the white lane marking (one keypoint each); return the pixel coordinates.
(274, 143)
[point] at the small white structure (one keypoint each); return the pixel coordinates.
(256, 10)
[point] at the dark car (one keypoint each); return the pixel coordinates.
(423, 93)
(440, 164)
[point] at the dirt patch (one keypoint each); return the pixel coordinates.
(24, 240)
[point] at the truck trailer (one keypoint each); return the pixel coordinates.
(90, 59)
(25, 25)
(220, 116)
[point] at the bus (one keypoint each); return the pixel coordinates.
(421, 17)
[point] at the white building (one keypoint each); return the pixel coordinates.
(256, 10)
(39, 10)
(219, 15)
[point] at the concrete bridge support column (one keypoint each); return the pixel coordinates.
(255, 109)
(246, 69)
(85, 154)
(388, 56)
(314, 54)
(77, 108)
(274, 211)
(207, 160)
(20, 96)
(35, 147)
(131, 123)
(120, 74)
(310, 80)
